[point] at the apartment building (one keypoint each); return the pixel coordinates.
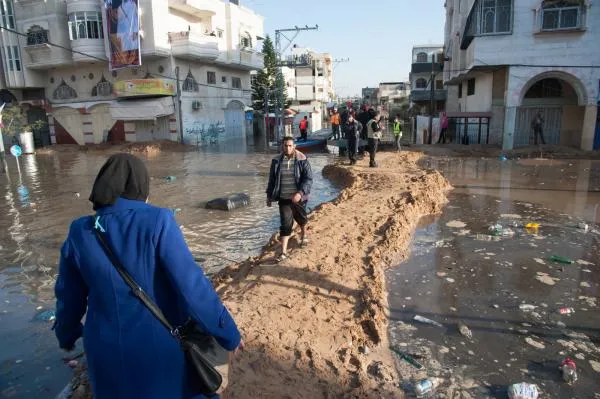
(309, 80)
(55, 63)
(393, 92)
(510, 60)
(369, 95)
(425, 60)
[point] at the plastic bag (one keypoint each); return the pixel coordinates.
(523, 390)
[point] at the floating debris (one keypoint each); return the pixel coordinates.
(425, 320)
(457, 224)
(535, 343)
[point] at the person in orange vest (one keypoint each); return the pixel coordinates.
(304, 128)
(335, 124)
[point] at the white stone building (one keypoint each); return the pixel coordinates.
(425, 58)
(309, 81)
(56, 63)
(393, 92)
(511, 59)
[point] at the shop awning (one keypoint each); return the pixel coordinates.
(142, 110)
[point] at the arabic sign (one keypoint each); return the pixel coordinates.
(122, 25)
(144, 87)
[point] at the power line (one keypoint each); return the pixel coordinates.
(143, 68)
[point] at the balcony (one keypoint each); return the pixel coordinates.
(196, 8)
(424, 95)
(420, 67)
(194, 46)
(244, 59)
(92, 47)
(305, 80)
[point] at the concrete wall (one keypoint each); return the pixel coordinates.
(570, 131)
(481, 100)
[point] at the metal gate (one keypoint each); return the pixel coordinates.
(234, 120)
(551, 128)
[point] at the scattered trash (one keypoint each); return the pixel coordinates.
(465, 331)
(502, 157)
(176, 210)
(499, 231)
(545, 278)
(523, 390)
(486, 237)
(170, 178)
(560, 259)
(569, 371)
(229, 202)
(566, 310)
(46, 315)
(72, 363)
(456, 224)
(408, 359)
(427, 386)
(525, 307)
(425, 320)
(77, 195)
(532, 226)
(583, 226)
(595, 365)
(535, 343)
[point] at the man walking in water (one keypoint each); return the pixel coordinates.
(290, 181)
(304, 128)
(537, 124)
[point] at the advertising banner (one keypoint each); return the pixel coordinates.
(144, 87)
(122, 25)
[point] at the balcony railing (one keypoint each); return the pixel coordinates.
(424, 95)
(194, 46)
(37, 37)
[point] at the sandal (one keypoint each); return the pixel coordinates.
(281, 258)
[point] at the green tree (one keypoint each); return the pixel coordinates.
(269, 78)
(14, 121)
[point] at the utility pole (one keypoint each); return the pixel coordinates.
(179, 113)
(279, 33)
(431, 100)
(337, 61)
(266, 119)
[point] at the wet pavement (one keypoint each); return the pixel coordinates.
(39, 203)
(462, 274)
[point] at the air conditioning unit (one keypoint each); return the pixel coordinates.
(196, 105)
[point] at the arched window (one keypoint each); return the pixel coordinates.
(246, 40)
(422, 57)
(545, 88)
(102, 89)
(64, 92)
(562, 14)
(421, 83)
(190, 83)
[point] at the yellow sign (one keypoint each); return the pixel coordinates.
(144, 87)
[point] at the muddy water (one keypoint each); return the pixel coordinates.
(458, 273)
(38, 204)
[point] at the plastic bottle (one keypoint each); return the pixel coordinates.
(426, 386)
(566, 310)
(561, 259)
(569, 371)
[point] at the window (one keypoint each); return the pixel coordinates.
(64, 92)
(85, 25)
(13, 59)
(460, 90)
(7, 14)
(103, 88)
(211, 78)
(470, 87)
(545, 88)
(37, 35)
(236, 83)
(246, 40)
(223, 79)
(220, 33)
(439, 85)
(561, 15)
(422, 57)
(190, 84)
(495, 16)
(421, 83)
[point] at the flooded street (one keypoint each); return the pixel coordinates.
(500, 285)
(39, 203)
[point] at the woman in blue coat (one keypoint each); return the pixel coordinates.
(130, 354)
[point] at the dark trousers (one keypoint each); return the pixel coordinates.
(537, 130)
(352, 148)
(303, 134)
(442, 135)
(335, 131)
(288, 212)
(373, 144)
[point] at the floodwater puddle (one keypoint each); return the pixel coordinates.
(528, 297)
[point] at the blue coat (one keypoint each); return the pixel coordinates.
(130, 354)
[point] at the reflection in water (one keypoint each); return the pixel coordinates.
(43, 196)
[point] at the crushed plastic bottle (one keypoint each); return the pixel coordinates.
(46, 315)
(465, 331)
(170, 178)
(583, 226)
(427, 386)
(523, 390)
(425, 320)
(566, 310)
(525, 307)
(560, 259)
(569, 371)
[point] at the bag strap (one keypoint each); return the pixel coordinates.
(135, 288)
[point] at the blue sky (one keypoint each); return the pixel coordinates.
(376, 35)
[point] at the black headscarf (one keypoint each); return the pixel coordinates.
(123, 175)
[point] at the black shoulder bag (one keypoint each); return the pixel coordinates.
(202, 351)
